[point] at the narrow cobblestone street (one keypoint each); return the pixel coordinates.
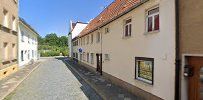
(53, 81)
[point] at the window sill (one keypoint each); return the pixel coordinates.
(152, 32)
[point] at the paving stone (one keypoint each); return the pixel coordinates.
(54, 81)
(104, 87)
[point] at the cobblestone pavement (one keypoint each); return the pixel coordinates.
(53, 81)
(8, 84)
(104, 87)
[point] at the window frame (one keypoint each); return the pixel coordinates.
(5, 18)
(129, 25)
(137, 76)
(153, 19)
(106, 29)
(98, 37)
(92, 38)
(92, 58)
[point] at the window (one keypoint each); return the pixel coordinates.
(32, 53)
(87, 57)
(144, 69)
(92, 58)
(88, 39)
(81, 41)
(28, 37)
(5, 21)
(14, 51)
(28, 56)
(32, 40)
(22, 36)
(128, 27)
(153, 20)
(83, 56)
(22, 58)
(106, 57)
(5, 51)
(106, 30)
(98, 37)
(92, 38)
(14, 23)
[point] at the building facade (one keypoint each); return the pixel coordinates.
(28, 44)
(75, 29)
(191, 49)
(8, 37)
(132, 42)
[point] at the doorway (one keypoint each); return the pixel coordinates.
(195, 86)
(99, 63)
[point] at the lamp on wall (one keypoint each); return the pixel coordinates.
(188, 71)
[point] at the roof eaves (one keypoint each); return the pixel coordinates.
(26, 24)
(120, 15)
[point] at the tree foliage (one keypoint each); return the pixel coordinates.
(53, 45)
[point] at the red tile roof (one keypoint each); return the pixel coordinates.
(112, 11)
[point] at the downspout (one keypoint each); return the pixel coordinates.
(177, 60)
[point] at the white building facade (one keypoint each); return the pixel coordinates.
(75, 29)
(28, 44)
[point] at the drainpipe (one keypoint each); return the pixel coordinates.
(177, 61)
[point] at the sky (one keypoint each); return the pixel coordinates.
(53, 16)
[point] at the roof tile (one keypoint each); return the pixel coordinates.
(113, 10)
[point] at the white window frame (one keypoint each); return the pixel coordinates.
(22, 36)
(129, 28)
(153, 19)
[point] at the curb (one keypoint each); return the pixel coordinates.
(15, 86)
(92, 86)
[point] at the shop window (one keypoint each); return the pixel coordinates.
(144, 69)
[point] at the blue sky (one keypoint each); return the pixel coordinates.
(53, 16)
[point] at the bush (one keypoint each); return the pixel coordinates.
(50, 53)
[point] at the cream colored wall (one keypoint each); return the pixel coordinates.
(89, 48)
(159, 45)
(12, 9)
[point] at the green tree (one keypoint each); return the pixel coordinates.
(51, 39)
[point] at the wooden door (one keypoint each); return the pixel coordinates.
(99, 63)
(196, 81)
